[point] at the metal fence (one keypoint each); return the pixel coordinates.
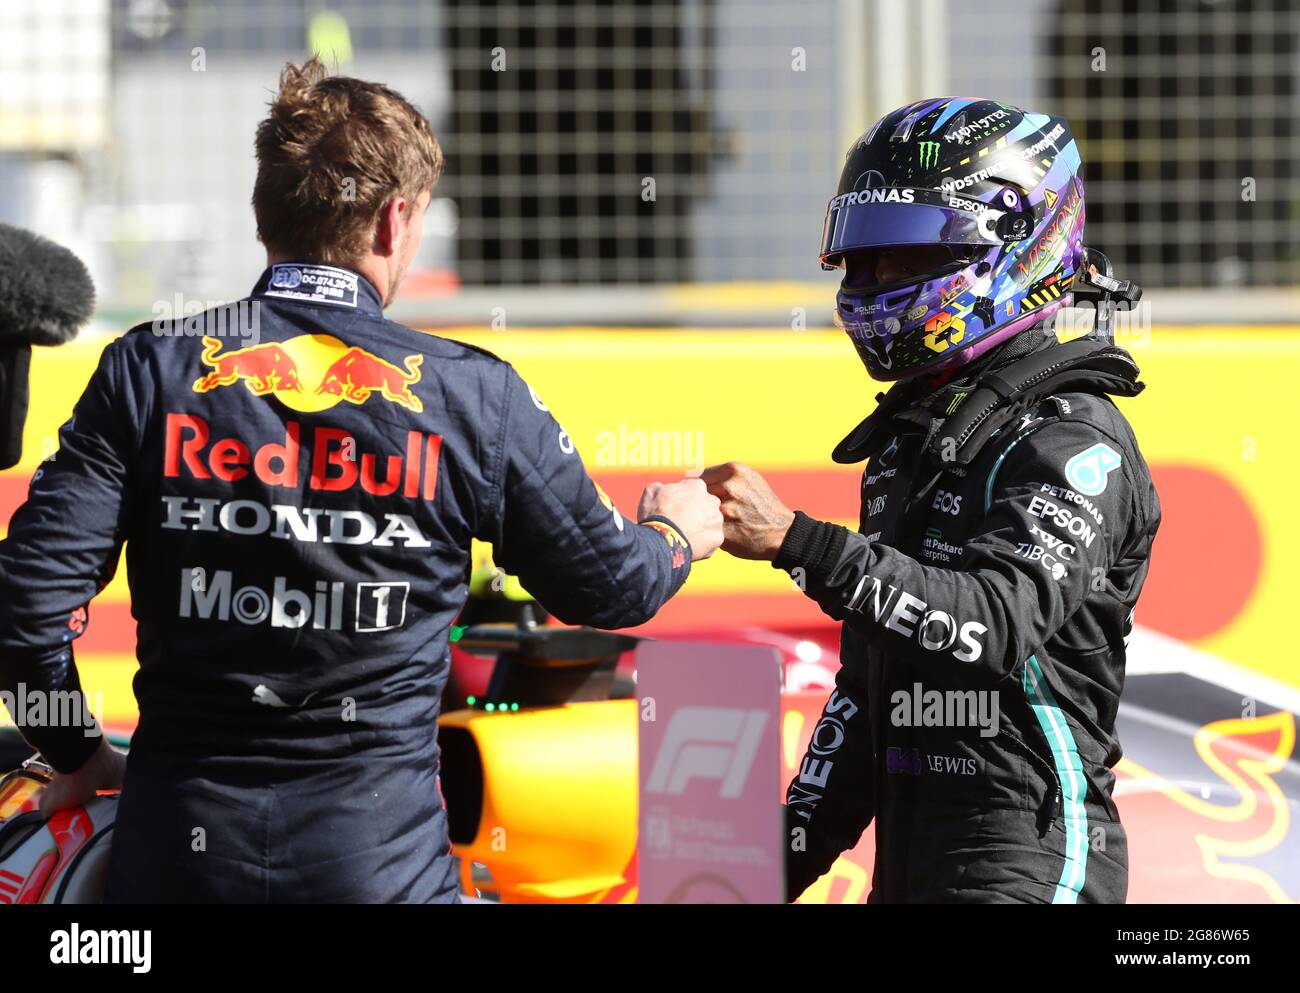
(601, 143)
(1186, 111)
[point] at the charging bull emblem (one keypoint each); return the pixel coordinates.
(358, 373)
(287, 369)
(1223, 834)
(263, 368)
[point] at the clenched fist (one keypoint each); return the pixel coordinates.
(689, 506)
(755, 521)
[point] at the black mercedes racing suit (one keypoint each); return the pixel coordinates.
(297, 508)
(985, 617)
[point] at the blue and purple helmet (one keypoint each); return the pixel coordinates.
(996, 189)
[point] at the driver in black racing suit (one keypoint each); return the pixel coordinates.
(297, 507)
(1005, 533)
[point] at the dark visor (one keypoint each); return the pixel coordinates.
(930, 218)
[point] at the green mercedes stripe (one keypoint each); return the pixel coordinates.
(1065, 755)
(1069, 771)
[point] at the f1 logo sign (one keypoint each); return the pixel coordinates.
(707, 743)
(709, 765)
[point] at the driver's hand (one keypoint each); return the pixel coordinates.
(688, 505)
(104, 770)
(756, 519)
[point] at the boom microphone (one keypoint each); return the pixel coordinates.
(46, 295)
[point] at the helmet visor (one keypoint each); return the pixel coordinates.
(906, 217)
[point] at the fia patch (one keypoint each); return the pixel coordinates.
(314, 284)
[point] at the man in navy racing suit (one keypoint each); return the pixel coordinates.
(298, 504)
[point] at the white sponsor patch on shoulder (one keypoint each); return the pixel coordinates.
(313, 283)
(1087, 471)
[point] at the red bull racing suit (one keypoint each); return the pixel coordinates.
(986, 600)
(297, 504)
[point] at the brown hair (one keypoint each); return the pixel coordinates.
(330, 154)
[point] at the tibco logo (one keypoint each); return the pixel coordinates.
(1036, 553)
(707, 743)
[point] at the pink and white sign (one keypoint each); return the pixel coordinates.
(710, 767)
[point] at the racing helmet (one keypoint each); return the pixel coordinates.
(60, 860)
(995, 191)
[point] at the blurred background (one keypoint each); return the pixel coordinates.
(127, 133)
(631, 214)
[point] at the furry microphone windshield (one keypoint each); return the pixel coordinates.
(45, 291)
(46, 295)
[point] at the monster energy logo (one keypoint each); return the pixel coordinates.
(929, 153)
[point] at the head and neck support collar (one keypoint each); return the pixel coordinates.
(960, 418)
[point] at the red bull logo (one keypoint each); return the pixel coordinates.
(333, 462)
(344, 372)
(1229, 839)
(263, 368)
(358, 374)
